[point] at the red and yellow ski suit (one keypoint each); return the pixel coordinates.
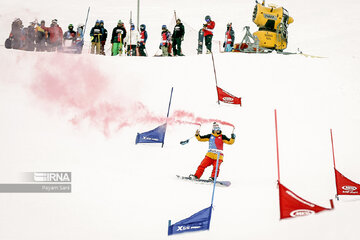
(216, 142)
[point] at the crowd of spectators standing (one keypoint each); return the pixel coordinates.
(132, 42)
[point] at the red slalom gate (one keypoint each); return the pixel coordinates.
(344, 186)
(291, 205)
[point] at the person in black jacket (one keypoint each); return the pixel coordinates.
(103, 37)
(117, 39)
(70, 34)
(17, 34)
(30, 37)
(143, 38)
(95, 34)
(178, 37)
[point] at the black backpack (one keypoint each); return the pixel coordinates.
(8, 43)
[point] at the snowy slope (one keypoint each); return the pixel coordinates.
(81, 114)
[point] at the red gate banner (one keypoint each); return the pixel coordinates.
(227, 97)
(345, 186)
(291, 205)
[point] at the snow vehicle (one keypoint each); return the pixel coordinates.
(272, 34)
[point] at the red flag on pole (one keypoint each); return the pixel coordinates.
(291, 205)
(227, 97)
(345, 186)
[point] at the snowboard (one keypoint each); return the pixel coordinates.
(200, 41)
(203, 181)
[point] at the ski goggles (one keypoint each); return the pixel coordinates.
(216, 130)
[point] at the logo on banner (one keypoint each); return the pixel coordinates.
(151, 139)
(184, 228)
(301, 212)
(349, 189)
(228, 99)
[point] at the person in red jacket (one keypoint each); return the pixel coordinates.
(229, 38)
(208, 32)
(165, 44)
(56, 36)
(216, 141)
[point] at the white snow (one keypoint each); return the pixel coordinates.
(54, 109)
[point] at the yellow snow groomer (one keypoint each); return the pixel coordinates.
(272, 34)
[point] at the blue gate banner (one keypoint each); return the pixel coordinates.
(198, 222)
(156, 135)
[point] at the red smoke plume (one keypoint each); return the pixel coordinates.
(75, 85)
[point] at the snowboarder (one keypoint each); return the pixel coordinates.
(95, 35)
(178, 37)
(165, 41)
(56, 35)
(208, 32)
(229, 38)
(103, 37)
(143, 38)
(117, 39)
(42, 35)
(216, 140)
(131, 41)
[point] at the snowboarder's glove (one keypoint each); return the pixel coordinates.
(231, 44)
(233, 135)
(197, 132)
(224, 45)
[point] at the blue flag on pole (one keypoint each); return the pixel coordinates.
(198, 222)
(156, 135)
